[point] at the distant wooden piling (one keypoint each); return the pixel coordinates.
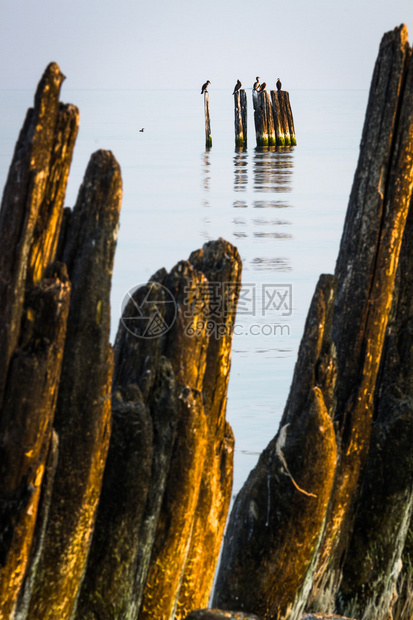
(240, 118)
(208, 137)
(283, 118)
(260, 118)
(264, 119)
(270, 119)
(243, 97)
(274, 124)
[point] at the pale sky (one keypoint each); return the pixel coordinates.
(181, 43)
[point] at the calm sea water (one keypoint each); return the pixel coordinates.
(283, 208)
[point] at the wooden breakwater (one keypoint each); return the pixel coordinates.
(327, 510)
(116, 463)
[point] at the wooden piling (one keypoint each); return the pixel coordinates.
(23, 196)
(283, 118)
(243, 97)
(278, 125)
(270, 119)
(83, 411)
(260, 119)
(289, 117)
(240, 118)
(208, 137)
(265, 130)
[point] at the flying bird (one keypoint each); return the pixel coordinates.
(262, 87)
(204, 87)
(237, 87)
(278, 84)
(256, 84)
(142, 130)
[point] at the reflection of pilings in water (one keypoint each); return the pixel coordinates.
(240, 170)
(271, 204)
(271, 264)
(273, 169)
(206, 171)
(272, 235)
(262, 221)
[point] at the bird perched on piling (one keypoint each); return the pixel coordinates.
(262, 87)
(237, 87)
(204, 87)
(256, 84)
(278, 84)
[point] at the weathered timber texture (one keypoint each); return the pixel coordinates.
(240, 117)
(83, 410)
(260, 117)
(274, 124)
(290, 117)
(283, 118)
(219, 614)
(372, 568)
(221, 265)
(26, 428)
(40, 529)
(48, 222)
(365, 271)
(275, 525)
(208, 137)
(279, 126)
(244, 115)
(270, 563)
(158, 532)
(272, 141)
(324, 617)
(33, 327)
(24, 193)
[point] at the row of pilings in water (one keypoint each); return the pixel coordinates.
(273, 118)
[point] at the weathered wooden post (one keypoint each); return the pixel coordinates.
(208, 137)
(296, 513)
(290, 118)
(278, 120)
(260, 118)
(84, 391)
(159, 529)
(240, 115)
(283, 118)
(244, 114)
(32, 325)
(272, 141)
(264, 119)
